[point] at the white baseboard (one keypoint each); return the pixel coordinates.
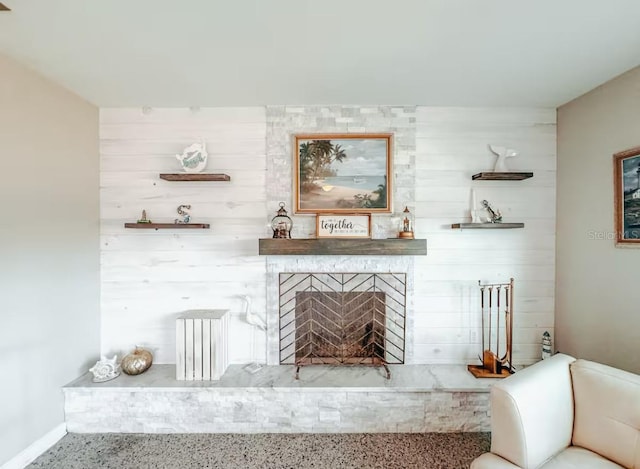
(38, 447)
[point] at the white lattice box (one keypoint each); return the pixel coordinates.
(201, 344)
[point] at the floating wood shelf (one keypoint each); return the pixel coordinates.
(195, 177)
(508, 176)
(487, 226)
(338, 247)
(167, 226)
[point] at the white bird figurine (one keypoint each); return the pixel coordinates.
(252, 318)
(502, 153)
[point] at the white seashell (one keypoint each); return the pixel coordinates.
(105, 369)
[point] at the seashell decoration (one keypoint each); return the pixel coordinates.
(502, 153)
(105, 369)
(194, 158)
(137, 361)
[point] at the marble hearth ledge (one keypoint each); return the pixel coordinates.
(404, 378)
(418, 398)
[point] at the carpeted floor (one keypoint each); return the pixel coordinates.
(297, 451)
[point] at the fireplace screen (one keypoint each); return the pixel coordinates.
(342, 319)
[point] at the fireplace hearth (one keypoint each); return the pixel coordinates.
(342, 319)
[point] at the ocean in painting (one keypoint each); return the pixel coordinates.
(366, 183)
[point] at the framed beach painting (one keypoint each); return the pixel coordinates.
(342, 173)
(626, 183)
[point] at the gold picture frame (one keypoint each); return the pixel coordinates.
(343, 173)
(626, 183)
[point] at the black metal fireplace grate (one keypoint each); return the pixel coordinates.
(342, 319)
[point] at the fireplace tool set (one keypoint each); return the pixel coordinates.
(496, 304)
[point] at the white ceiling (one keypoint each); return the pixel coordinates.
(252, 52)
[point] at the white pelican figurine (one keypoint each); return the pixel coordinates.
(250, 317)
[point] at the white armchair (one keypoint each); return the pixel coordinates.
(565, 413)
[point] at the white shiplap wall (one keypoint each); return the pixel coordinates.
(149, 277)
(452, 146)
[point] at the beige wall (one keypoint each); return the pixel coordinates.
(49, 244)
(597, 289)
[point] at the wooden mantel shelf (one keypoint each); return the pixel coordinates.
(339, 247)
(167, 226)
(195, 177)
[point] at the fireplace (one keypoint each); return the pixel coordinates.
(342, 319)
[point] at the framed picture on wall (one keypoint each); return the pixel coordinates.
(342, 173)
(626, 183)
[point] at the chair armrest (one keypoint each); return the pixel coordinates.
(532, 413)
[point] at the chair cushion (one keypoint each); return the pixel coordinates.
(575, 457)
(491, 461)
(607, 412)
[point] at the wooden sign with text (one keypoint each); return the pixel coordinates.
(343, 226)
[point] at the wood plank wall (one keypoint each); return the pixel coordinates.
(451, 147)
(148, 277)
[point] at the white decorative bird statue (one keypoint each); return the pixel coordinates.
(502, 153)
(252, 318)
(259, 323)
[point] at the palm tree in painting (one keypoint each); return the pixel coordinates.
(306, 161)
(316, 158)
(381, 191)
(338, 154)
